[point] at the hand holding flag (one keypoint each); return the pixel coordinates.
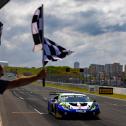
(42, 74)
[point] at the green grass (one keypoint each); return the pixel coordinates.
(81, 90)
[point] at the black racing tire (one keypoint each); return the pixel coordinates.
(96, 116)
(49, 111)
(58, 115)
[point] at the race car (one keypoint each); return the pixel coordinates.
(72, 104)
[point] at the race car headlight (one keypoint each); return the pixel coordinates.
(66, 106)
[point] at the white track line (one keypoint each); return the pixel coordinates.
(45, 98)
(21, 98)
(24, 113)
(40, 112)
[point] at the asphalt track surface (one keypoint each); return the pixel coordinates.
(27, 106)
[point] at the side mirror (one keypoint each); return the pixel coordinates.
(54, 100)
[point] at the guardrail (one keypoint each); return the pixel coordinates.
(116, 90)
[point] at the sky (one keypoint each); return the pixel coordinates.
(94, 29)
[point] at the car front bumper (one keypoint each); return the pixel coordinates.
(78, 112)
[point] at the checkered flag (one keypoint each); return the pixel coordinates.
(37, 29)
(53, 51)
(1, 27)
(3, 3)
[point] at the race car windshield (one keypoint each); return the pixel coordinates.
(75, 98)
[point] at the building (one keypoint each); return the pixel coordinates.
(96, 68)
(108, 68)
(117, 68)
(86, 71)
(114, 68)
(125, 68)
(76, 65)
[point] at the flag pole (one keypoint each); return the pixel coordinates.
(42, 17)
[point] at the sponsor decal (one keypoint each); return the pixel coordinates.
(105, 90)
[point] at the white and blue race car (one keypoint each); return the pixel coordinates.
(72, 104)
